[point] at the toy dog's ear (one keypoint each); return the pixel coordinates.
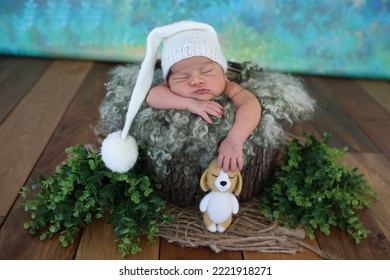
(203, 181)
(238, 188)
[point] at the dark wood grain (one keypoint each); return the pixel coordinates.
(331, 117)
(75, 128)
(26, 132)
(374, 120)
(16, 79)
(378, 91)
(173, 251)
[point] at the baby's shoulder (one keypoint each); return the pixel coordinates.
(232, 88)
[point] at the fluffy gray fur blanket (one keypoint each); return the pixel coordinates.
(179, 134)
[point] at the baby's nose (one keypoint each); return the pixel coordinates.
(196, 80)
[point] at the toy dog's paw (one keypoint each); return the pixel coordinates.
(212, 228)
(221, 228)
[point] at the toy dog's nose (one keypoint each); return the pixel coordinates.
(223, 183)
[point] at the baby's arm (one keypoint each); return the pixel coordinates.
(161, 97)
(247, 118)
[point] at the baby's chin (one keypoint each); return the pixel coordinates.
(206, 97)
(199, 96)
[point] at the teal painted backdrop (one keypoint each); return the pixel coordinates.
(329, 37)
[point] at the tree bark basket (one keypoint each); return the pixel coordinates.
(185, 190)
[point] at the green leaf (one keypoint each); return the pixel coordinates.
(313, 223)
(135, 197)
(43, 236)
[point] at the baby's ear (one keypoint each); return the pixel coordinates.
(238, 187)
(203, 181)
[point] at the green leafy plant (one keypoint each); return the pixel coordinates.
(314, 188)
(83, 189)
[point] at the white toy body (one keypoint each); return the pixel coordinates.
(219, 206)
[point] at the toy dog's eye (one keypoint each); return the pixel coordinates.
(214, 175)
(231, 177)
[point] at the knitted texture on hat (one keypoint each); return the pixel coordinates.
(191, 43)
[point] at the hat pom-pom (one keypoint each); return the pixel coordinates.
(119, 154)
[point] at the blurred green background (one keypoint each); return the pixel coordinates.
(328, 37)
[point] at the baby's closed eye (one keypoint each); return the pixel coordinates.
(207, 71)
(180, 77)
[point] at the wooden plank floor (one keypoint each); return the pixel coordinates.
(48, 105)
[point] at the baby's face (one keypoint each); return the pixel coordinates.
(197, 77)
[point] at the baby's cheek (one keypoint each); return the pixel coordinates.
(179, 90)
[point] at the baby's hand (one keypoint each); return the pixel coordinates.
(230, 154)
(205, 108)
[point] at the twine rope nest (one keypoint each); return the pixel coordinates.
(250, 231)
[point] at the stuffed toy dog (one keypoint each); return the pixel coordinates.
(220, 203)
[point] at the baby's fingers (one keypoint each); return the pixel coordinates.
(216, 104)
(215, 109)
(206, 117)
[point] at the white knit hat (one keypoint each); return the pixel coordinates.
(190, 43)
(181, 40)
